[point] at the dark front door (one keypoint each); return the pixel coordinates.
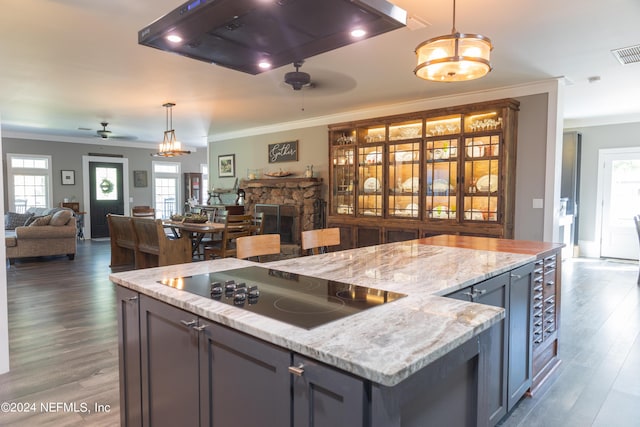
(106, 195)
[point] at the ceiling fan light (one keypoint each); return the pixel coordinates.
(454, 57)
(174, 38)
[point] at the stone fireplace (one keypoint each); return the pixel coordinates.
(290, 206)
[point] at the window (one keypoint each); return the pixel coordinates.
(204, 168)
(166, 187)
(29, 181)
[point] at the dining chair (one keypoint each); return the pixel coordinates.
(258, 223)
(258, 245)
(235, 226)
(143, 211)
(636, 219)
(317, 241)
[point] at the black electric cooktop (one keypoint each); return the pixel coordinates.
(303, 301)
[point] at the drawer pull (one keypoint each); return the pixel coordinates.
(200, 328)
(189, 323)
(132, 299)
(298, 371)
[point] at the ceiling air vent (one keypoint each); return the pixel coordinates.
(627, 55)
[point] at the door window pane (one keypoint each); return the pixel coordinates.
(106, 183)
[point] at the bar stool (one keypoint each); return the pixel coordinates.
(257, 246)
(318, 240)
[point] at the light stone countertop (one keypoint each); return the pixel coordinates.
(385, 344)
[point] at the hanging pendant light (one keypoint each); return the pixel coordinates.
(170, 146)
(454, 57)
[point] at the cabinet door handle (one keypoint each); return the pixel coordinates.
(516, 276)
(189, 323)
(298, 371)
(200, 328)
(132, 299)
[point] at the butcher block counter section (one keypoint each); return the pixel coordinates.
(397, 348)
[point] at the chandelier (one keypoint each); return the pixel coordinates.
(453, 57)
(170, 146)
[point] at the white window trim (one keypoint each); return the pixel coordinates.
(28, 171)
(177, 175)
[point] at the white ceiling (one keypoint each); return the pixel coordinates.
(69, 64)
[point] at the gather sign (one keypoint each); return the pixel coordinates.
(283, 152)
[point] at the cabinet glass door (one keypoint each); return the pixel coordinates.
(441, 167)
(342, 180)
(404, 180)
(482, 183)
(370, 179)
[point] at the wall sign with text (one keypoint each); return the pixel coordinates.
(283, 152)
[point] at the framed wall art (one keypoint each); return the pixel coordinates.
(68, 177)
(226, 166)
(139, 178)
(283, 152)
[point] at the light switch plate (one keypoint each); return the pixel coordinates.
(538, 203)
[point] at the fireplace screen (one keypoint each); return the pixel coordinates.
(281, 219)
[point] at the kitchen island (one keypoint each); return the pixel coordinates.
(423, 345)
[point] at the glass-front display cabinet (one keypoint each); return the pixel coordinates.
(343, 161)
(450, 170)
(403, 165)
(370, 171)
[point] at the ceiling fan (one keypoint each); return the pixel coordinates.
(298, 79)
(105, 133)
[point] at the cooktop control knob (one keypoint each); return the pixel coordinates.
(230, 286)
(239, 298)
(254, 292)
(216, 290)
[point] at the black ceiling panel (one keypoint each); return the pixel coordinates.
(237, 34)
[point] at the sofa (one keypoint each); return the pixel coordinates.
(40, 232)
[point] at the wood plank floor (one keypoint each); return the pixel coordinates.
(63, 344)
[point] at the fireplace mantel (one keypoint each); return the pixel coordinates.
(277, 182)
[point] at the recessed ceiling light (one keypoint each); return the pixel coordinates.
(264, 65)
(174, 38)
(358, 32)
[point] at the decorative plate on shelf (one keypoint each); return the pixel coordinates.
(412, 209)
(487, 183)
(441, 212)
(475, 150)
(373, 158)
(371, 185)
(473, 214)
(411, 185)
(441, 186)
(404, 156)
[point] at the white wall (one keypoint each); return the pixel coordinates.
(595, 138)
(4, 318)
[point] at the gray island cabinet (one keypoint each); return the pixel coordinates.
(421, 360)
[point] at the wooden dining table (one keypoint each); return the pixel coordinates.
(197, 231)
